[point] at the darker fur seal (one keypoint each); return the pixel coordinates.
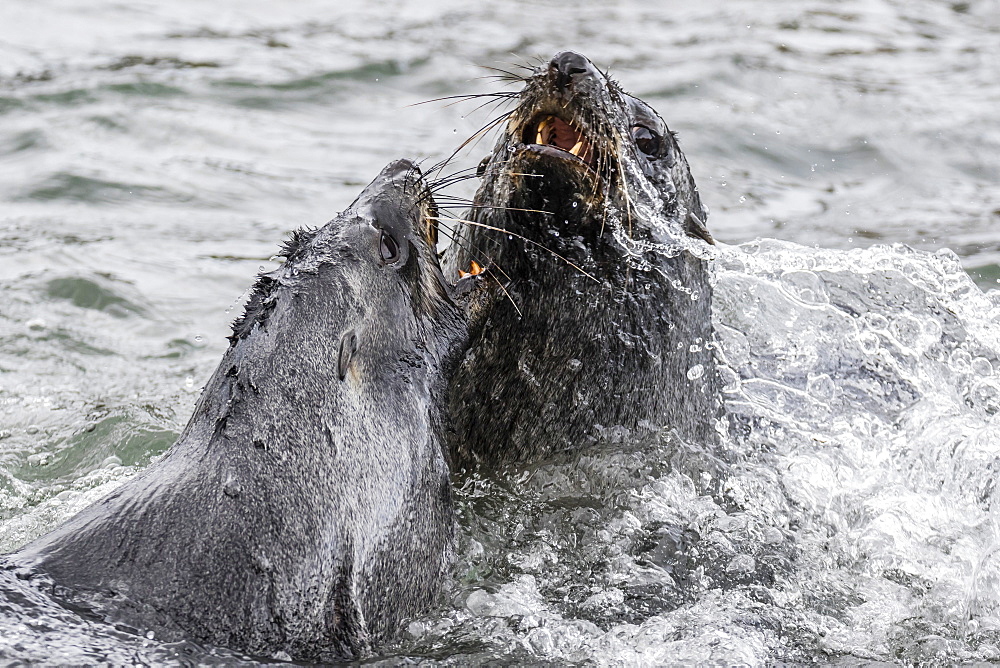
(597, 306)
(306, 508)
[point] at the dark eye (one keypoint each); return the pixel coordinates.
(388, 248)
(483, 164)
(647, 141)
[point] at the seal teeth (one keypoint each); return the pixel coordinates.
(542, 135)
(576, 148)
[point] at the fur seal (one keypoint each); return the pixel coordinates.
(595, 312)
(306, 508)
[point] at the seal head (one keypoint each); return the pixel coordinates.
(306, 507)
(596, 316)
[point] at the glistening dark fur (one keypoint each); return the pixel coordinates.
(298, 512)
(597, 308)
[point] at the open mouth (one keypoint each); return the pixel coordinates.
(549, 130)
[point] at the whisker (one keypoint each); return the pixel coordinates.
(478, 254)
(505, 72)
(530, 241)
(468, 96)
(477, 136)
(488, 268)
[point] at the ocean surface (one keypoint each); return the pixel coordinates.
(154, 155)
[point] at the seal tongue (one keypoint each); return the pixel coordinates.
(553, 131)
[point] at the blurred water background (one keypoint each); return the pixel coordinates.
(153, 156)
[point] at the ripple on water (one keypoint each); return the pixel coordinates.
(95, 294)
(89, 189)
(855, 517)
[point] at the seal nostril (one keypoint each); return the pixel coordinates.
(566, 65)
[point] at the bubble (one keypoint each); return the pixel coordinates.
(982, 367)
(741, 564)
(39, 459)
(730, 380)
(821, 386)
(876, 321)
(986, 395)
(869, 342)
(960, 360)
(696, 372)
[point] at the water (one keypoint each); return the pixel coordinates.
(153, 156)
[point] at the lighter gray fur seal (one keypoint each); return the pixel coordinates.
(306, 507)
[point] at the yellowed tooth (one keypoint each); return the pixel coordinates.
(540, 138)
(576, 149)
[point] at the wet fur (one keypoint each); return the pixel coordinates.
(297, 512)
(595, 335)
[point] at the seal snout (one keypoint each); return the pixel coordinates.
(569, 68)
(561, 113)
(402, 167)
(400, 200)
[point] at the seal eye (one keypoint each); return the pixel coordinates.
(388, 248)
(647, 141)
(483, 164)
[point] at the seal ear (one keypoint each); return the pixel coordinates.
(348, 346)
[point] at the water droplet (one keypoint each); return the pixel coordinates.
(231, 487)
(574, 204)
(696, 372)
(198, 337)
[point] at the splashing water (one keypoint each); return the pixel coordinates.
(156, 154)
(852, 516)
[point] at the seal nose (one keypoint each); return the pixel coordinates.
(400, 167)
(568, 64)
